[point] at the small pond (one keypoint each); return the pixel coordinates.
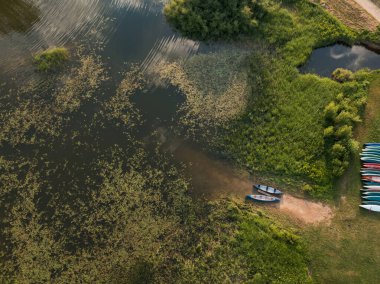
(324, 61)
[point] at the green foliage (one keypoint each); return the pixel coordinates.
(51, 59)
(340, 116)
(213, 19)
(342, 75)
(246, 247)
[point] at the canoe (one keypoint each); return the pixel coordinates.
(371, 198)
(371, 193)
(371, 178)
(370, 174)
(371, 202)
(372, 187)
(370, 159)
(371, 144)
(370, 183)
(267, 189)
(371, 165)
(262, 198)
(374, 208)
(370, 190)
(365, 171)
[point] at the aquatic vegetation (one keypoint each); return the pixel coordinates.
(214, 86)
(51, 59)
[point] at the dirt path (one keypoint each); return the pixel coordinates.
(352, 13)
(370, 7)
(214, 179)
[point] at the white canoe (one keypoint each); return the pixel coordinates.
(374, 208)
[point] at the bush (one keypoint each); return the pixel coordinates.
(342, 75)
(213, 19)
(51, 59)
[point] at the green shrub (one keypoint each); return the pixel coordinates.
(51, 59)
(342, 75)
(213, 19)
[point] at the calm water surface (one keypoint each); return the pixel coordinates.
(324, 61)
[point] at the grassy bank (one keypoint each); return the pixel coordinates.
(281, 132)
(348, 250)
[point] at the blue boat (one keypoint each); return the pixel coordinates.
(372, 144)
(371, 193)
(262, 198)
(267, 189)
(371, 202)
(371, 198)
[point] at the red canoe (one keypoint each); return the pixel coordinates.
(371, 166)
(371, 178)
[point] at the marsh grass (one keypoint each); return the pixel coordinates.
(214, 86)
(51, 59)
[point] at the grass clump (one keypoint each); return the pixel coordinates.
(51, 59)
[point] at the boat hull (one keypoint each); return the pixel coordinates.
(262, 198)
(373, 208)
(371, 198)
(267, 189)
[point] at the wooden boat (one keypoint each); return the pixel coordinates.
(267, 189)
(371, 193)
(371, 198)
(371, 202)
(262, 198)
(374, 208)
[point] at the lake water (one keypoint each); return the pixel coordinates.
(132, 31)
(324, 61)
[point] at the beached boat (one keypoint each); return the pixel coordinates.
(374, 208)
(372, 187)
(369, 144)
(262, 198)
(267, 189)
(369, 190)
(371, 198)
(371, 202)
(370, 160)
(371, 193)
(371, 178)
(371, 166)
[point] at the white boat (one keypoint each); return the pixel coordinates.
(372, 187)
(374, 208)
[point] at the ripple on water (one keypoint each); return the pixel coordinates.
(28, 26)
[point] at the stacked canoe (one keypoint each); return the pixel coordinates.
(268, 194)
(370, 174)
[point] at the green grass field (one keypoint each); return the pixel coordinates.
(348, 250)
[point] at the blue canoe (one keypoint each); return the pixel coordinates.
(267, 189)
(262, 198)
(371, 202)
(372, 193)
(371, 198)
(369, 144)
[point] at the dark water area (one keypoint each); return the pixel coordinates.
(324, 61)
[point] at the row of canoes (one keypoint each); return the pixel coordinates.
(370, 174)
(268, 194)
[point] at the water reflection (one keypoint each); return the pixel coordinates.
(17, 16)
(324, 61)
